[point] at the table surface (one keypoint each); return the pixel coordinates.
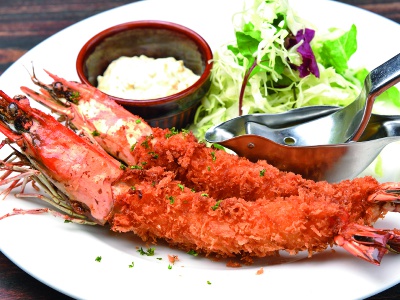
(23, 25)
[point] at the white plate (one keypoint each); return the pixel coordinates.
(63, 255)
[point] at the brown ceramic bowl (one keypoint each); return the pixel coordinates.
(155, 39)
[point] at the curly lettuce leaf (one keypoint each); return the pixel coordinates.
(335, 50)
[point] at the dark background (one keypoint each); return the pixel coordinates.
(23, 25)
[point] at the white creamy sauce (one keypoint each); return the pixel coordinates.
(142, 77)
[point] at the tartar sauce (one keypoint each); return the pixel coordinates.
(142, 77)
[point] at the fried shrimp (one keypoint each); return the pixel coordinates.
(212, 170)
(233, 226)
(176, 192)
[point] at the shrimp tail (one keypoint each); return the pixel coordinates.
(390, 193)
(369, 243)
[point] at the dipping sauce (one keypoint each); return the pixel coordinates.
(142, 77)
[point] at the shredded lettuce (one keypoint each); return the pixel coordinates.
(284, 63)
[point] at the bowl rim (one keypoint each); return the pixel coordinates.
(90, 45)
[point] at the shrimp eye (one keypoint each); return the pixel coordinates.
(12, 109)
(22, 124)
(58, 89)
(57, 85)
(80, 208)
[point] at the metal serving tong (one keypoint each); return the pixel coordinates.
(344, 125)
(318, 141)
(333, 162)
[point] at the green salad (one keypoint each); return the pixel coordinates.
(279, 62)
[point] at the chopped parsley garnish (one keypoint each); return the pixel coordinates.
(216, 205)
(213, 156)
(145, 144)
(192, 252)
(74, 97)
(95, 133)
(122, 167)
(181, 186)
(67, 221)
(148, 252)
(138, 121)
(208, 282)
(136, 167)
(262, 172)
(98, 259)
(133, 146)
(171, 199)
(132, 265)
(153, 154)
(172, 132)
(204, 194)
(169, 267)
(133, 188)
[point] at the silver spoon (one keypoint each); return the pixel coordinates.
(343, 125)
